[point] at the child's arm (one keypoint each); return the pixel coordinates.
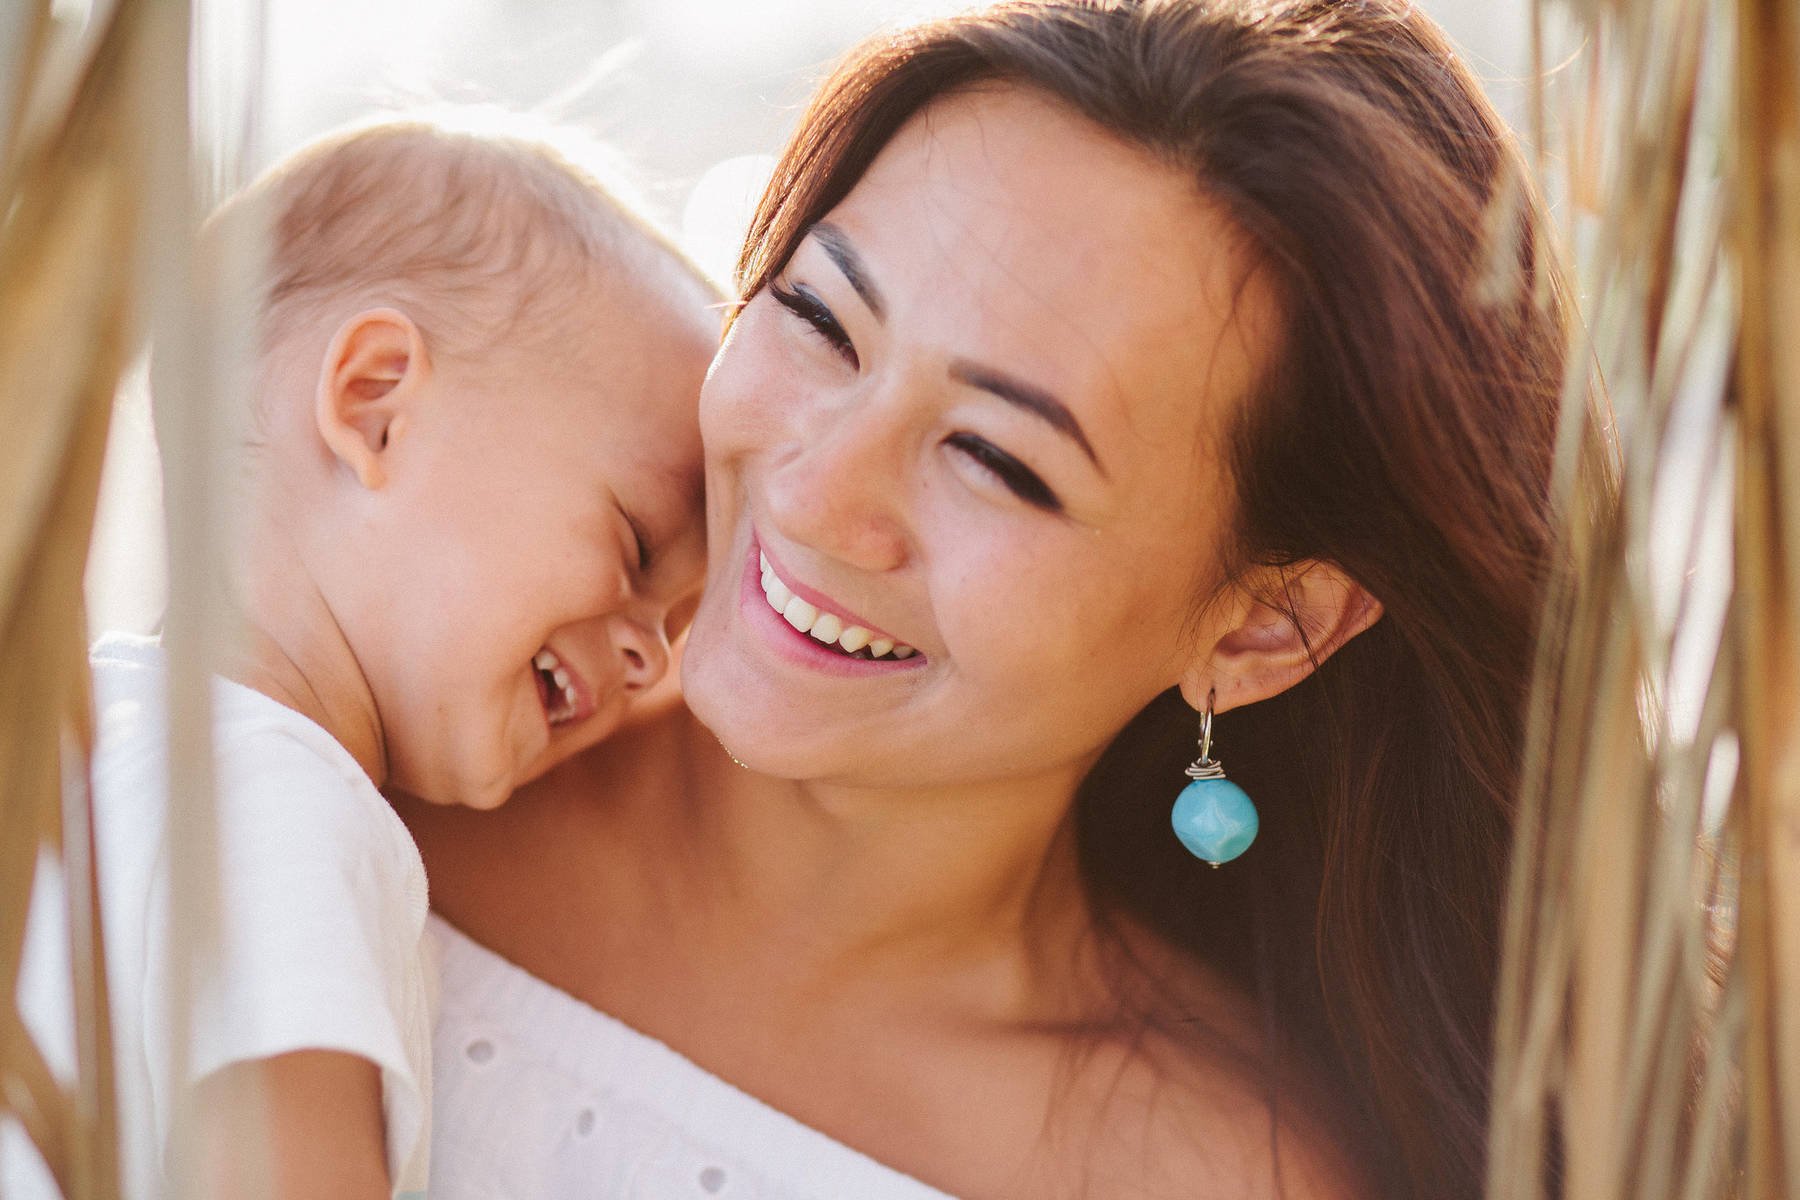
(318, 1112)
(316, 990)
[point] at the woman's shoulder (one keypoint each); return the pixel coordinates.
(1179, 1095)
(1163, 1122)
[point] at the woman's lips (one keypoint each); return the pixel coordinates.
(768, 563)
(799, 637)
(820, 618)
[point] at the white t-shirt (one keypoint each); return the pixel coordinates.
(321, 901)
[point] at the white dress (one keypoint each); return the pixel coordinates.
(540, 1097)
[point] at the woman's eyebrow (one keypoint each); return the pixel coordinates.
(838, 249)
(1032, 399)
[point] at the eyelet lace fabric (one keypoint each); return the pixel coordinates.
(541, 1097)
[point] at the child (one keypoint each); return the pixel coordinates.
(474, 519)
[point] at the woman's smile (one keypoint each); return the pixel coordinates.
(816, 614)
(808, 628)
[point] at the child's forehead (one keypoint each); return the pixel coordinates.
(615, 332)
(620, 359)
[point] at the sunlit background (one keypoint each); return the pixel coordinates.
(695, 94)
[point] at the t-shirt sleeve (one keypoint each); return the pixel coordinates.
(320, 903)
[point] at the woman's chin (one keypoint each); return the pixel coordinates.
(759, 733)
(748, 731)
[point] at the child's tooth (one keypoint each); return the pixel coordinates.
(544, 660)
(827, 627)
(764, 559)
(778, 595)
(854, 638)
(904, 652)
(569, 695)
(562, 678)
(800, 614)
(879, 647)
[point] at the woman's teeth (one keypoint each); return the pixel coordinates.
(828, 628)
(562, 702)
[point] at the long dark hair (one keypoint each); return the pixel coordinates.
(1404, 434)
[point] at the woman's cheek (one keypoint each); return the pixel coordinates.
(994, 611)
(719, 405)
(750, 391)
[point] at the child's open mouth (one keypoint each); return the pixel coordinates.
(556, 687)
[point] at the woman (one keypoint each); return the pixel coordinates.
(1123, 362)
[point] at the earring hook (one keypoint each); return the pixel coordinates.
(1206, 766)
(1206, 719)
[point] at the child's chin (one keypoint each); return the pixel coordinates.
(488, 799)
(593, 731)
(483, 799)
(481, 794)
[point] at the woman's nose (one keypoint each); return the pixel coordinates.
(839, 491)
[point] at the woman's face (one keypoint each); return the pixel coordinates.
(979, 415)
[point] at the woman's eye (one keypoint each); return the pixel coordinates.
(804, 303)
(1018, 478)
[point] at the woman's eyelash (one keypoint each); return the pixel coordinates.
(1018, 478)
(804, 303)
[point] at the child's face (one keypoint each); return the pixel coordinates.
(539, 540)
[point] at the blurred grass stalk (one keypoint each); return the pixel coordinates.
(97, 249)
(72, 170)
(1649, 1026)
(1768, 229)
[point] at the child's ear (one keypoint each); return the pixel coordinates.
(373, 372)
(1280, 637)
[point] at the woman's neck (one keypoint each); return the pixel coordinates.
(658, 833)
(942, 873)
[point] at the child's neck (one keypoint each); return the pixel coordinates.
(296, 654)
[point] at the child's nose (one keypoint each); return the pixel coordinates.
(642, 647)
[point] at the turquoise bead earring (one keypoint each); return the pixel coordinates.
(1213, 817)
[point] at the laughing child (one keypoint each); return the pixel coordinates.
(473, 520)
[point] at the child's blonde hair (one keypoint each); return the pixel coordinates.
(480, 234)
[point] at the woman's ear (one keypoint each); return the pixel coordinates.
(374, 369)
(1280, 636)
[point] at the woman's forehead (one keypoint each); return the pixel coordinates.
(1023, 233)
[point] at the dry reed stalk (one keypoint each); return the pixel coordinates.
(203, 331)
(73, 175)
(1649, 1022)
(1768, 407)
